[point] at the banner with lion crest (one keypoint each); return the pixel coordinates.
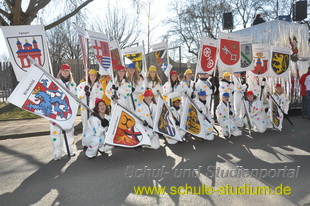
(125, 130)
(279, 62)
(39, 94)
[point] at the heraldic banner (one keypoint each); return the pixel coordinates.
(192, 120)
(135, 54)
(261, 55)
(208, 55)
(246, 60)
(229, 52)
(164, 122)
(23, 41)
(101, 48)
(125, 130)
(41, 95)
(279, 62)
(83, 44)
(160, 52)
(115, 53)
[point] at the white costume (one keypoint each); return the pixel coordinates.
(255, 84)
(147, 112)
(207, 127)
(170, 93)
(177, 114)
(153, 86)
(257, 114)
(227, 87)
(283, 101)
(226, 121)
(207, 87)
(94, 137)
(139, 89)
(123, 93)
(239, 90)
(96, 91)
(56, 131)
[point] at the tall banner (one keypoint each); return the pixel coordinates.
(276, 116)
(279, 62)
(208, 55)
(23, 41)
(101, 48)
(39, 94)
(83, 44)
(115, 53)
(261, 55)
(191, 120)
(160, 52)
(246, 60)
(135, 54)
(164, 122)
(229, 52)
(125, 130)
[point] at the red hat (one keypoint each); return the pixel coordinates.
(65, 67)
(98, 101)
(148, 93)
(278, 85)
(173, 73)
(119, 67)
(249, 93)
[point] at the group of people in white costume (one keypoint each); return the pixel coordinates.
(239, 106)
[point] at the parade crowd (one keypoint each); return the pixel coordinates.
(234, 102)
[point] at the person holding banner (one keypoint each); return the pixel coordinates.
(256, 84)
(283, 101)
(146, 111)
(172, 88)
(94, 135)
(226, 86)
(225, 117)
(201, 103)
(239, 89)
(257, 113)
(153, 81)
(119, 89)
(137, 86)
(187, 82)
(204, 84)
(88, 92)
(65, 77)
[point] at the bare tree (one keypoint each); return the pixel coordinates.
(11, 12)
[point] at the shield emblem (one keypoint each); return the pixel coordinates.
(192, 124)
(161, 59)
(102, 53)
(208, 58)
(116, 59)
(279, 62)
(22, 47)
(229, 51)
(165, 124)
(246, 55)
(136, 59)
(49, 100)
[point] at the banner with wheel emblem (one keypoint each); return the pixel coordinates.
(207, 55)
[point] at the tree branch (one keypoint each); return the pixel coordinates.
(67, 16)
(16, 12)
(4, 13)
(3, 22)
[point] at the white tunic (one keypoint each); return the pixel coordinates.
(153, 86)
(283, 101)
(257, 114)
(170, 93)
(207, 87)
(123, 93)
(207, 127)
(239, 90)
(226, 87)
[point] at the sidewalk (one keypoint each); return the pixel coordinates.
(30, 127)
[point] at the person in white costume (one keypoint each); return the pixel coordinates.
(224, 114)
(204, 84)
(239, 90)
(226, 86)
(172, 88)
(137, 86)
(64, 77)
(88, 92)
(187, 82)
(283, 101)
(256, 84)
(201, 103)
(257, 113)
(153, 81)
(146, 111)
(119, 89)
(176, 111)
(94, 135)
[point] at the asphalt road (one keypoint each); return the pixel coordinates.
(29, 176)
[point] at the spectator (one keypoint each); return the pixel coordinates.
(258, 20)
(303, 93)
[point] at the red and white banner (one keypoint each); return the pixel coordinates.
(208, 55)
(41, 95)
(125, 130)
(101, 48)
(229, 52)
(115, 53)
(279, 62)
(246, 60)
(23, 41)
(261, 55)
(83, 44)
